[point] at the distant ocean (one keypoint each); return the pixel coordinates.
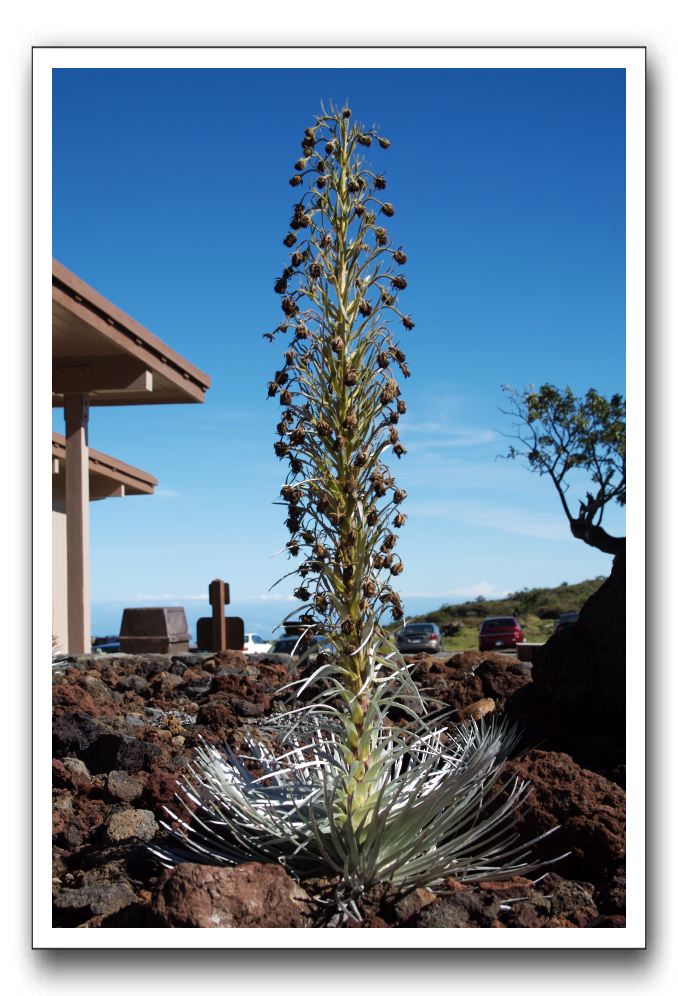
(260, 617)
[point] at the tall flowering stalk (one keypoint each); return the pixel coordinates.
(340, 410)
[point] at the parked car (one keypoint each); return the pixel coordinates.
(288, 645)
(500, 631)
(106, 645)
(565, 620)
(254, 644)
(415, 638)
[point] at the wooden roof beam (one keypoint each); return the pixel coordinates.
(101, 373)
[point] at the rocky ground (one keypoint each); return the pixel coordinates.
(125, 726)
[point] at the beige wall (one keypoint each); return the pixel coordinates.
(59, 571)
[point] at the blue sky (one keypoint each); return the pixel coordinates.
(171, 198)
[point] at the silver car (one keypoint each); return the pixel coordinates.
(416, 638)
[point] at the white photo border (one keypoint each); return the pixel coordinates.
(632, 60)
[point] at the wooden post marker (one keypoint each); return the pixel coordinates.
(217, 633)
(219, 598)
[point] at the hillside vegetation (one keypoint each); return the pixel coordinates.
(537, 609)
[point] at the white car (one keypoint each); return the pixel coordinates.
(254, 644)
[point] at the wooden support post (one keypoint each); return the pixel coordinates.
(219, 599)
(76, 412)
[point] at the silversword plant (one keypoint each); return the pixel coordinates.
(344, 790)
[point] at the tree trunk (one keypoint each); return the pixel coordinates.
(597, 537)
(577, 700)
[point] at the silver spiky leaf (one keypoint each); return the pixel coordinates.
(433, 808)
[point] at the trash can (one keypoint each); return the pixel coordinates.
(161, 630)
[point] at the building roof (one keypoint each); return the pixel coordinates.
(108, 477)
(100, 351)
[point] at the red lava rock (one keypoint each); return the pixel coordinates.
(216, 716)
(123, 786)
(62, 811)
(78, 775)
(195, 675)
(68, 697)
(615, 920)
(523, 915)
(463, 909)
(466, 677)
(131, 824)
(368, 922)
(60, 775)
(589, 809)
(610, 896)
(582, 917)
(99, 689)
(164, 683)
(231, 658)
(413, 902)
(276, 674)
(508, 888)
(91, 813)
(250, 895)
(160, 787)
(74, 818)
(232, 683)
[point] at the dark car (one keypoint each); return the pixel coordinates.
(565, 620)
(416, 638)
(291, 645)
(106, 645)
(500, 631)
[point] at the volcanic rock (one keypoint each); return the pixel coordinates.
(589, 809)
(250, 895)
(131, 824)
(463, 909)
(579, 686)
(134, 683)
(610, 896)
(121, 786)
(72, 906)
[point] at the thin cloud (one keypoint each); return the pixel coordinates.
(270, 596)
(440, 434)
(483, 588)
(515, 522)
(166, 596)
